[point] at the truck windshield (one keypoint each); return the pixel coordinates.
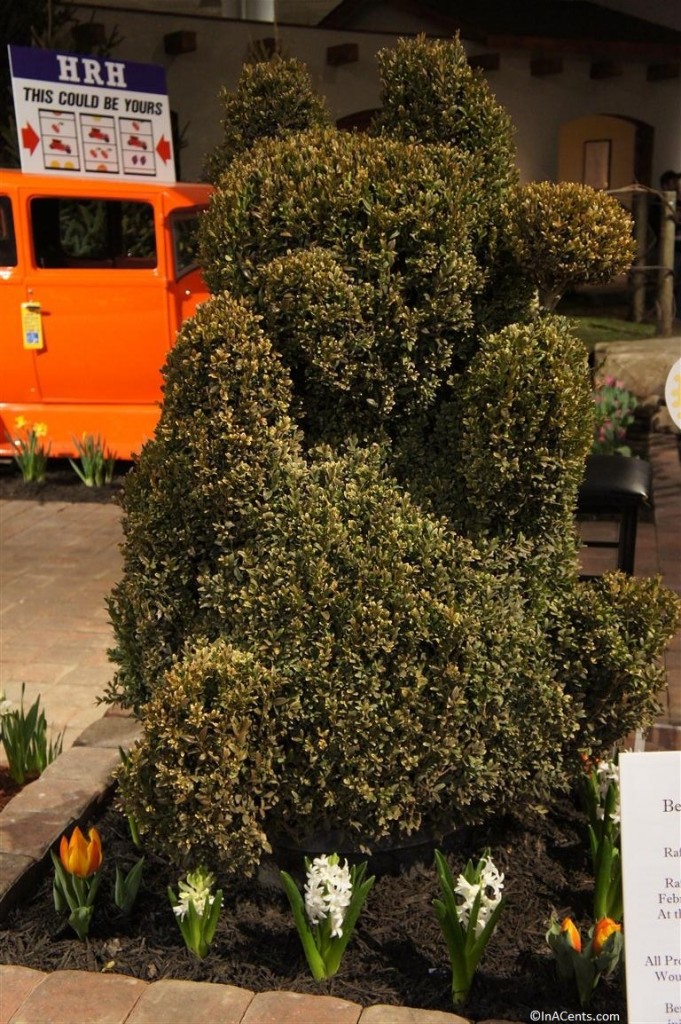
(93, 233)
(8, 244)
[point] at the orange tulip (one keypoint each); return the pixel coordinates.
(570, 931)
(81, 856)
(603, 930)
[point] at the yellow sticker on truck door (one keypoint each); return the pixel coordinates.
(32, 326)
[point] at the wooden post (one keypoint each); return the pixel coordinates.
(638, 298)
(665, 284)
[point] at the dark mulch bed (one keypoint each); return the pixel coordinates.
(397, 955)
(61, 484)
(8, 787)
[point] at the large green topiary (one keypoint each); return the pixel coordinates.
(357, 253)
(350, 603)
(275, 98)
(567, 234)
(388, 667)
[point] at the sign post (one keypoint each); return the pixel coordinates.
(91, 116)
(650, 799)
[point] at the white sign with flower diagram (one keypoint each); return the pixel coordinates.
(91, 116)
(650, 800)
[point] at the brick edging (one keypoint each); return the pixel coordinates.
(29, 997)
(70, 789)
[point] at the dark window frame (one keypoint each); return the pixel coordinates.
(8, 237)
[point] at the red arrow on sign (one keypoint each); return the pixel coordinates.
(163, 149)
(29, 139)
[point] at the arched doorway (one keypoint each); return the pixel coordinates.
(606, 151)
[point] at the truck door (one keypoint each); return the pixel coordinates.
(18, 376)
(98, 274)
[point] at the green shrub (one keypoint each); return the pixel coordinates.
(199, 487)
(503, 456)
(350, 601)
(273, 99)
(201, 780)
(525, 432)
(614, 629)
(357, 253)
(369, 609)
(567, 234)
(430, 94)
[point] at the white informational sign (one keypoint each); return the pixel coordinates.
(650, 796)
(672, 392)
(93, 116)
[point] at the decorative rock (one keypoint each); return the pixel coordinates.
(642, 366)
(16, 985)
(68, 996)
(92, 763)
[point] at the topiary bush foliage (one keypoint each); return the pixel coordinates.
(200, 487)
(568, 234)
(274, 98)
(431, 95)
(357, 253)
(353, 609)
(350, 608)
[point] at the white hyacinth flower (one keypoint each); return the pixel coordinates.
(328, 892)
(608, 772)
(489, 886)
(195, 891)
(491, 880)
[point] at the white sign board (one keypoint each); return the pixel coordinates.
(92, 116)
(672, 392)
(650, 795)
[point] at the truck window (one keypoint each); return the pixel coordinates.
(8, 244)
(93, 233)
(185, 228)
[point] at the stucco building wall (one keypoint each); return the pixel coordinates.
(537, 105)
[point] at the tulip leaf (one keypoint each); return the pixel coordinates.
(126, 888)
(79, 920)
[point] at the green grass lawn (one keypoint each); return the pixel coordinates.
(593, 329)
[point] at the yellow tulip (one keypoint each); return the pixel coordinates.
(570, 931)
(603, 930)
(81, 856)
(40, 429)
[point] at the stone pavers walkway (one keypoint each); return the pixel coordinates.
(57, 564)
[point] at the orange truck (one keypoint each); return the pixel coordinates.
(95, 280)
